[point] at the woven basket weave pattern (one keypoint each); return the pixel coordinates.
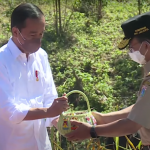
(64, 125)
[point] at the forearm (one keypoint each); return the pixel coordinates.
(120, 127)
(113, 116)
(36, 113)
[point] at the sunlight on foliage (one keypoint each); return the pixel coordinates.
(85, 55)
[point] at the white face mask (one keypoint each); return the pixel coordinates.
(137, 56)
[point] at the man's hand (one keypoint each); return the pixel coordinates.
(81, 133)
(54, 122)
(99, 118)
(59, 105)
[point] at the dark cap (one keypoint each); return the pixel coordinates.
(137, 25)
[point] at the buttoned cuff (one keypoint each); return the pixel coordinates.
(19, 114)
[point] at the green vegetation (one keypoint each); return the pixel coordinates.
(83, 53)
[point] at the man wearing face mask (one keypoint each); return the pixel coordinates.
(28, 98)
(136, 117)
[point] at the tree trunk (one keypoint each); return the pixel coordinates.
(60, 25)
(56, 17)
(99, 9)
(139, 6)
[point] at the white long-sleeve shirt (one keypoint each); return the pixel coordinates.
(20, 91)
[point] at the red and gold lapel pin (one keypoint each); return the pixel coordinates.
(36, 74)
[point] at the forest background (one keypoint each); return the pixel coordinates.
(81, 40)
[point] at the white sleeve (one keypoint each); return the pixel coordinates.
(11, 111)
(50, 92)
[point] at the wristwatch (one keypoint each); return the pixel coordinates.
(93, 132)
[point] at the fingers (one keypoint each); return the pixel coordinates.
(72, 139)
(95, 114)
(62, 98)
(75, 139)
(64, 94)
(98, 117)
(71, 134)
(65, 107)
(75, 123)
(62, 103)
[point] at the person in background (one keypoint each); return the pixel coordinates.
(136, 117)
(28, 98)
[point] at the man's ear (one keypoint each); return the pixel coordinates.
(14, 32)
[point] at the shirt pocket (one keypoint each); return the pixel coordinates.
(38, 76)
(37, 82)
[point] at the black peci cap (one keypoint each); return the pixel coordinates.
(137, 25)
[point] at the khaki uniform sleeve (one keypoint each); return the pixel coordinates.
(140, 113)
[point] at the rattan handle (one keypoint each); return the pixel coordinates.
(85, 97)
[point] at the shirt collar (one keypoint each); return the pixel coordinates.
(13, 48)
